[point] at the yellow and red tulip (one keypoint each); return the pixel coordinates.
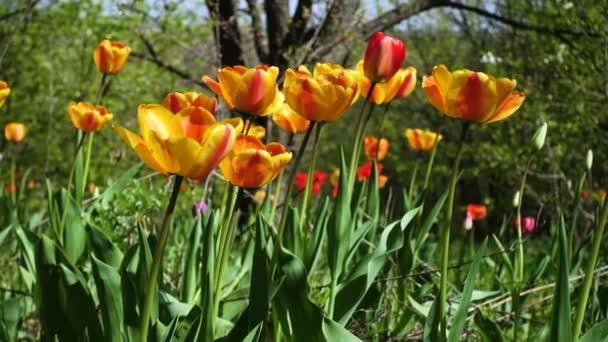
(4, 92)
(176, 102)
(289, 120)
(111, 56)
(402, 84)
(383, 57)
(15, 131)
(251, 164)
(189, 143)
(422, 140)
(248, 90)
(472, 96)
(375, 150)
(323, 95)
(87, 117)
(246, 127)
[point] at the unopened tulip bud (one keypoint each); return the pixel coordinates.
(589, 159)
(15, 131)
(383, 57)
(516, 199)
(539, 136)
(468, 222)
(111, 56)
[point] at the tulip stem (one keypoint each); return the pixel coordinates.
(224, 248)
(361, 123)
(287, 200)
(309, 177)
(429, 166)
(14, 178)
(87, 161)
(100, 89)
(277, 194)
(159, 250)
(584, 294)
(69, 188)
(445, 235)
(519, 270)
(381, 133)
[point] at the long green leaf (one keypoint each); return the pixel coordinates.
(107, 282)
(259, 295)
(191, 261)
(488, 329)
(597, 333)
(431, 325)
(561, 322)
(338, 232)
(465, 301)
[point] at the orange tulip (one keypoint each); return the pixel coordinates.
(176, 102)
(402, 84)
(10, 188)
(111, 56)
(323, 95)
(15, 131)
(422, 140)
(251, 164)
(189, 143)
(383, 57)
(476, 211)
(88, 118)
(373, 150)
(248, 90)
(472, 96)
(289, 120)
(4, 91)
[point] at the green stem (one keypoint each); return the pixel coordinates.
(519, 271)
(287, 200)
(69, 188)
(277, 194)
(445, 235)
(159, 250)
(410, 190)
(584, 295)
(429, 166)
(332, 297)
(100, 89)
(577, 203)
(87, 161)
(309, 177)
(224, 249)
(13, 178)
(361, 123)
(386, 108)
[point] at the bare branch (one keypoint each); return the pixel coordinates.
(258, 35)
(277, 14)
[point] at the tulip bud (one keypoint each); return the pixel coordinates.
(539, 136)
(199, 207)
(589, 159)
(383, 57)
(15, 131)
(468, 222)
(4, 91)
(516, 199)
(111, 56)
(87, 117)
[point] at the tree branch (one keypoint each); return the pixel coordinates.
(277, 14)
(258, 36)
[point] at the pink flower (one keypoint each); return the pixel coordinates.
(529, 224)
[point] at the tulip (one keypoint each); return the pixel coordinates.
(251, 91)
(199, 208)
(468, 222)
(318, 179)
(252, 164)
(477, 211)
(87, 117)
(4, 92)
(15, 131)
(10, 188)
(189, 143)
(364, 172)
(383, 57)
(323, 95)
(246, 127)
(589, 160)
(422, 140)
(472, 96)
(529, 224)
(402, 84)
(176, 102)
(289, 120)
(111, 56)
(373, 150)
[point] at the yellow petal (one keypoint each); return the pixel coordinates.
(140, 147)
(508, 107)
(471, 96)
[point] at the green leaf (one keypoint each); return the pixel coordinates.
(465, 301)
(313, 246)
(488, 329)
(103, 247)
(431, 325)
(207, 274)
(9, 318)
(597, 333)
(191, 261)
(259, 295)
(373, 196)
(74, 233)
(561, 322)
(360, 278)
(119, 185)
(107, 282)
(338, 232)
(429, 221)
(255, 334)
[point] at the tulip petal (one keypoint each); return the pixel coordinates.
(217, 89)
(504, 88)
(508, 107)
(140, 147)
(251, 168)
(433, 93)
(471, 95)
(195, 121)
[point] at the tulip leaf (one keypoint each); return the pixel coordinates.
(103, 247)
(467, 293)
(255, 334)
(431, 325)
(313, 246)
(561, 323)
(360, 278)
(488, 329)
(74, 233)
(373, 196)
(191, 261)
(107, 283)
(423, 233)
(597, 333)
(338, 232)
(9, 319)
(207, 280)
(259, 295)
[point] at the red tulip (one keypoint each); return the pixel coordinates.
(383, 57)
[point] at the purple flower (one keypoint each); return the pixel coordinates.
(199, 207)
